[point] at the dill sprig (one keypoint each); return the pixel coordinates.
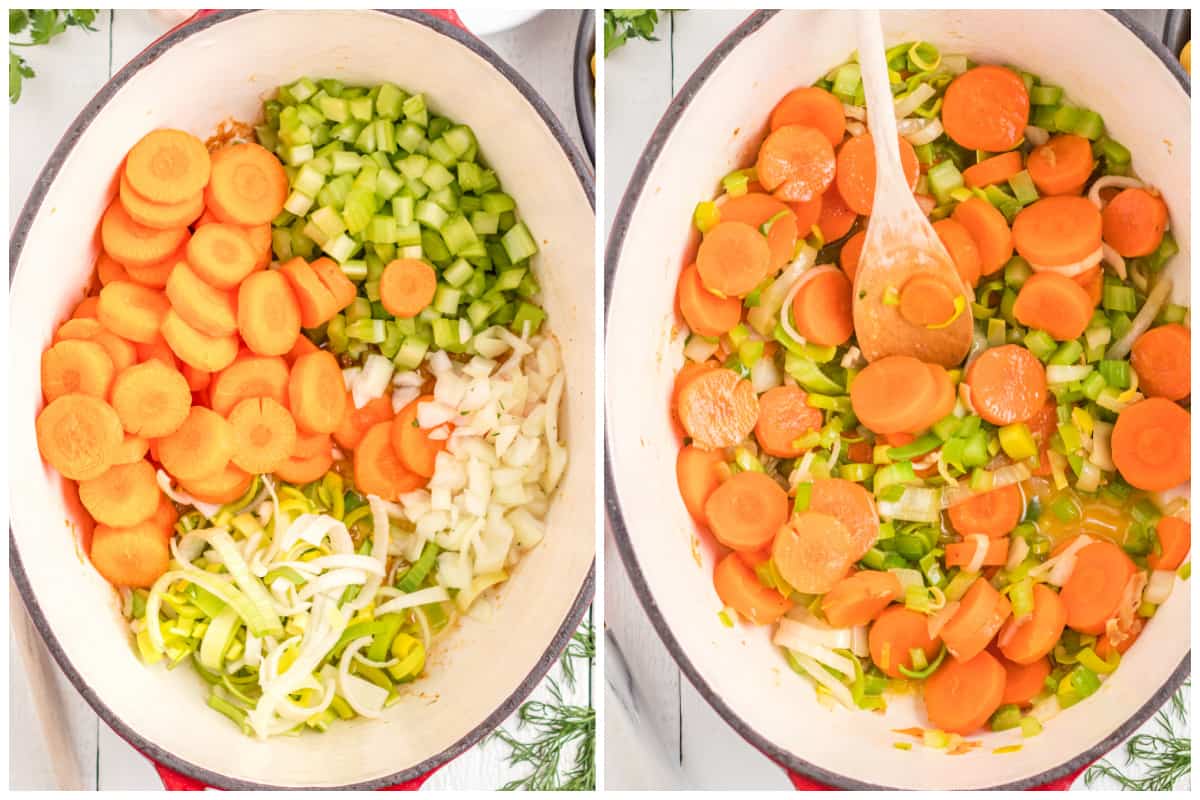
(562, 751)
(1166, 754)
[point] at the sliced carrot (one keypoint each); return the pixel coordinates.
(76, 366)
(250, 376)
(330, 274)
(132, 449)
(1036, 636)
(223, 486)
(87, 308)
(1174, 540)
(945, 396)
(808, 214)
(156, 350)
(168, 166)
(135, 556)
(131, 311)
(152, 399)
(197, 379)
(784, 415)
(1092, 282)
(1097, 584)
(79, 435)
(853, 506)
(993, 513)
(85, 328)
(852, 252)
(796, 163)
(718, 409)
(836, 217)
(265, 433)
(739, 589)
(377, 468)
(259, 237)
(1151, 444)
(163, 216)
(685, 375)
(413, 444)
(1134, 222)
(980, 614)
(704, 312)
(746, 511)
(317, 394)
(165, 516)
(1056, 231)
(221, 255)
(268, 313)
(209, 310)
(733, 259)
(108, 269)
(1023, 682)
(962, 248)
(125, 494)
(962, 695)
(358, 421)
(860, 452)
(986, 108)
(821, 309)
(136, 245)
(302, 347)
(996, 169)
(755, 209)
(812, 552)
(1008, 384)
(813, 107)
(989, 230)
(198, 350)
(312, 458)
(860, 598)
(698, 473)
(317, 304)
(892, 394)
(157, 274)
(200, 448)
(248, 185)
(927, 301)
(960, 554)
(407, 287)
(1055, 304)
(856, 170)
(896, 632)
(1062, 165)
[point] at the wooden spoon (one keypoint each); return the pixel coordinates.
(906, 289)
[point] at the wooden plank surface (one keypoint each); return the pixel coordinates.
(70, 71)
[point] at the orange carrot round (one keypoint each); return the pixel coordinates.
(221, 255)
(945, 396)
(853, 506)
(124, 495)
(1134, 222)
(993, 513)
(76, 366)
(896, 632)
(317, 303)
(198, 379)
(704, 312)
(265, 434)
(1062, 165)
(892, 394)
(852, 252)
(165, 516)
(989, 230)
(813, 107)
(248, 185)
(311, 460)
(156, 350)
(302, 347)
(1092, 282)
(733, 259)
(698, 474)
(821, 309)
(980, 614)
(167, 166)
(331, 276)
(198, 350)
(407, 287)
(162, 216)
(808, 214)
(718, 409)
(268, 313)
(1151, 444)
(1023, 682)
(856, 171)
(131, 311)
(1055, 304)
(1094, 591)
(157, 274)
(1162, 358)
(1056, 231)
(152, 399)
(960, 554)
(377, 468)
(926, 300)
(997, 169)
(413, 444)
(784, 415)
(223, 486)
(357, 421)
(316, 393)
(739, 589)
(108, 269)
(207, 309)
(962, 248)
(135, 556)
(796, 163)
(250, 376)
(860, 598)
(755, 209)
(836, 217)
(87, 308)
(132, 449)
(1008, 384)
(812, 552)
(200, 448)
(136, 245)
(986, 108)
(745, 511)
(961, 696)
(1035, 637)
(79, 435)
(1175, 540)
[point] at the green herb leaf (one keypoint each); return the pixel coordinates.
(623, 24)
(1166, 755)
(43, 24)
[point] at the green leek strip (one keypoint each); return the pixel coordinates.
(414, 577)
(915, 449)
(1017, 441)
(220, 634)
(1076, 685)
(1006, 718)
(922, 674)
(263, 620)
(1087, 657)
(466, 597)
(803, 497)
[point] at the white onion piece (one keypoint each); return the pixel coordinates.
(373, 381)
(907, 105)
(1036, 136)
(363, 696)
(785, 311)
(853, 358)
(938, 619)
(1017, 550)
(1004, 476)
(209, 510)
(700, 349)
(1144, 319)
(854, 112)
(908, 577)
(861, 646)
(1131, 598)
(765, 374)
(855, 128)
(421, 597)
(1158, 588)
(1076, 268)
(1107, 181)
(931, 130)
(1114, 259)
(981, 548)
(835, 687)
(800, 628)
(1059, 568)
(906, 127)
(823, 655)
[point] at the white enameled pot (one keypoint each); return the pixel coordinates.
(714, 125)
(220, 67)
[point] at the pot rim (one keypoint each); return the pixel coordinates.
(620, 226)
(16, 244)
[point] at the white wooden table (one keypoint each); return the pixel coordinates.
(69, 72)
(673, 721)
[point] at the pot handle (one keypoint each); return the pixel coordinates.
(803, 783)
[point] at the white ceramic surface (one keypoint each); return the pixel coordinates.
(1100, 64)
(222, 71)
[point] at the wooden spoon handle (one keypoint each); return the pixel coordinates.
(881, 108)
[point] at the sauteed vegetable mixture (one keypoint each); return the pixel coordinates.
(994, 535)
(310, 406)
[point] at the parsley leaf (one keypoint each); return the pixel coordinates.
(623, 24)
(42, 25)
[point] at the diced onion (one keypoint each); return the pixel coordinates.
(800, 628)
(1114, 259)
(765, 374)
(1075, 268)
(839, 690)
(855, 128)
(931, 130)
(1036, 136)
(700, 349)
(1113, 181)
(1017, 550)
(981, 548)
(854, 112)
(1158, 588)
(373, 381)
(911, 102)
(1144, 319)
(1058, 569)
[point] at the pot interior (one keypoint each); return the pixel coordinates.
(720, 122)
(219, 69)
